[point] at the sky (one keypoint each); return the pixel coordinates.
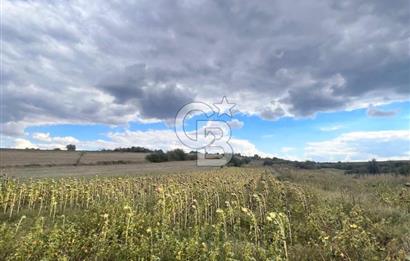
(308, 80)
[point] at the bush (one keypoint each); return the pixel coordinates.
(192, 156)
(268, 162)
(256, 157)
(173, 155)
(177, 155)
(306, 165)
(404, 170)
(157, 156)
(238, 161)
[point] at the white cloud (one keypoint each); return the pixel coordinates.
(245, 147)
(290, 153)
(362, 145)
(40, 136)
(12, 128)
(20, 143)
(65, 140)
(374, 112)
(167, 140)
(287, 149)
(331, 128)
(152, 139)
(44, 140)
(235, 124)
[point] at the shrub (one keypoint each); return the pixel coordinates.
(268, 162)
(192, 155)
(172, 155)
(306, 165)
(404, 170)
(237, 161)
(177, 155)
(157, 156)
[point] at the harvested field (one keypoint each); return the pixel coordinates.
(31, 158)
(102, 170)
(101, 157)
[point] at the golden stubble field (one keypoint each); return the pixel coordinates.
(18, 158)
(41, 164)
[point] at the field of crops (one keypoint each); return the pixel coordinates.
(225, 214)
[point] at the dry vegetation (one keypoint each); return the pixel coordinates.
(224, 214)
(172, 211)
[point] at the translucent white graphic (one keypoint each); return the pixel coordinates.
(211, 138)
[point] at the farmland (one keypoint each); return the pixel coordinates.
(27, 158)
(25, 164)
(174, 210)
(131, 169)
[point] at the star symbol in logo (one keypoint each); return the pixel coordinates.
(224, 107)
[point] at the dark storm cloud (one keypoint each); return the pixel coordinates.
(306, 102)
(32, 103)
(271, 114)
(164, 102)
(113, 62)
(152, 90)
(125, 85)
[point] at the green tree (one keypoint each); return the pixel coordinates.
(176, 155)
(373, 167)
(71, 147)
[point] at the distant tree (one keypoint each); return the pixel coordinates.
(133, 149)
(308, 164)
(157, 156)
(373, 167)
(404, 170)
(238, 161)
(268, 162)
(71, 147)
(339, 165)
(192, 155)
(177, 155)
(172, 155)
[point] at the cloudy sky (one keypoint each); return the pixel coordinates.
(311, 79)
